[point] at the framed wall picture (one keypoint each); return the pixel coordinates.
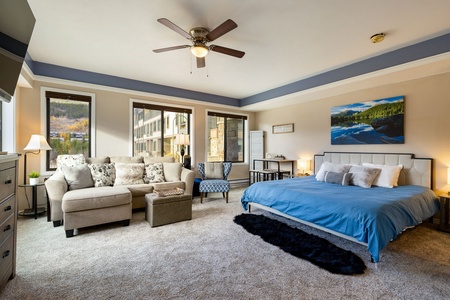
(283, 128)
(372, 122)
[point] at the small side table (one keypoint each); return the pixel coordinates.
(34, 211)
(444, 201)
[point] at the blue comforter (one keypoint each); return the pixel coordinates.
(374, 216)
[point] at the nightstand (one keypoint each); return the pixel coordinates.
(444, 203)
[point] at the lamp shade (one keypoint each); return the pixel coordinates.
(182, 139)
(37, 142)
(448, 175)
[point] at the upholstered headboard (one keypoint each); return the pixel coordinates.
(416, 171)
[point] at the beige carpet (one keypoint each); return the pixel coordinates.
(210, 257)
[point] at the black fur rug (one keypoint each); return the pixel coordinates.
(318, 251)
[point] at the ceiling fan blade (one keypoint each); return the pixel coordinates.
(174, 27)
(170, 48)
(227, 51)
(201, 62)
(220, 30)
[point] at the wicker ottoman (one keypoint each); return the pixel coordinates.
(169, 209)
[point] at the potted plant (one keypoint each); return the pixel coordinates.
(34, 177)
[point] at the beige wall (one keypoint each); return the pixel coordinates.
(427, 124)
(112, 117)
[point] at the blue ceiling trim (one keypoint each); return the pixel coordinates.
(54, 71)
(435, 46)
(407, 54)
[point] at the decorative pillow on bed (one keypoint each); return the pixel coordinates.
(388, 176)
(363, 176)
(103, 174)
(337, 178)
(154, 172)
(331, 167)
(129, 174)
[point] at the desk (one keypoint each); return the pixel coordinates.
(34, 211)
(268, 161)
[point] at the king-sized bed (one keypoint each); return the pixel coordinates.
(371, 215)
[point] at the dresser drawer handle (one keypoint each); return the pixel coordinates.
(6, 254)
(9, 207)
(9, 181)
(7, 228)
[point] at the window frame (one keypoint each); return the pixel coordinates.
(245, 130)
(45, 170)
(163, 127)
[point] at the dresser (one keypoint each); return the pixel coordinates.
(8, 217)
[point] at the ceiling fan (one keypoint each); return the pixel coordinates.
(200, 38)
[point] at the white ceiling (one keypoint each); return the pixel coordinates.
(284, 40)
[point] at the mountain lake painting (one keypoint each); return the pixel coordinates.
(372, 122)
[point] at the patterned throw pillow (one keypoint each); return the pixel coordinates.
(128, 174)
(154, 172)
(69, 160)
(103, 174)
(338, 178)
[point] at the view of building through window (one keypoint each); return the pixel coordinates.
(68, 127)
(226, 137)
(160, 131)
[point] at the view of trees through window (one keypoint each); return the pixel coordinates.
(68, 128)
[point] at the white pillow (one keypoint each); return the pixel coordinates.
(172, 171)
(388, 177)
(128, 174)
(331, 167)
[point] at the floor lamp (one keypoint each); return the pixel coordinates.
(35, 145)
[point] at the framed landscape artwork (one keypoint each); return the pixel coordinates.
(372, 122)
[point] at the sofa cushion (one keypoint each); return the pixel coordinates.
(103, 174)
(126, 159)
(172, 171)
(154, 172)
(149, 159)
(95, 198)
(78, 177)
(168, 185)
(139, 189)
(98, 160)
(130, 173)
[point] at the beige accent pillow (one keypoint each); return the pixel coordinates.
(213, 171)
(129, 174)
(78, 177)
(172, 171)
(150, 160)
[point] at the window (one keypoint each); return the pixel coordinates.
(68, 125)
(226, 137)
(162, 125)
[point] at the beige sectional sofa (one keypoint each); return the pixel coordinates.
(89, 191)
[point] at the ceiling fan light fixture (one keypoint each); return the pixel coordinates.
(199, 50)
(376, 38)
